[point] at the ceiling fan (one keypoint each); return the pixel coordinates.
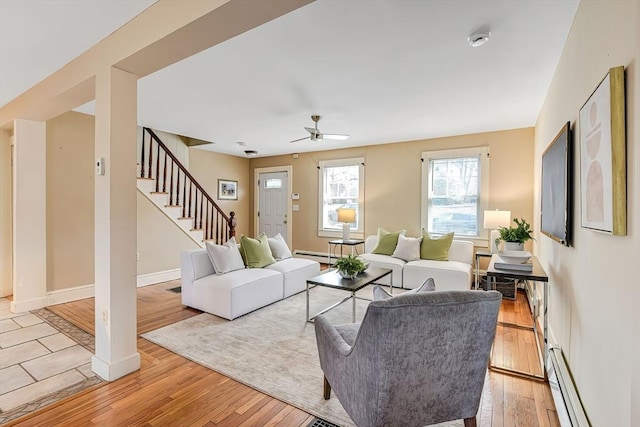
(316, 135)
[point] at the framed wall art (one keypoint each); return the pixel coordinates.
(603, 174)
(227, 189)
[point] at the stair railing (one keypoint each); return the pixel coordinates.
(171, 177)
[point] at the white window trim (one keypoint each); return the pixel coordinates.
(483, 201)
(355, 234)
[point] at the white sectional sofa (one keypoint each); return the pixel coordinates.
(454, 274)
(239, 292)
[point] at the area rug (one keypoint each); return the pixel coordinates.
(272, 350)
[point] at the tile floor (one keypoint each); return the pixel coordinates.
(43, 358)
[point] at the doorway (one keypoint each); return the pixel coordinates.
(273, 209)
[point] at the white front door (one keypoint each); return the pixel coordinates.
(272, 206)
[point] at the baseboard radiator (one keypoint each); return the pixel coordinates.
(315, 256)
(565, 395)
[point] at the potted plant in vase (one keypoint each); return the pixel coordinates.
(515, 237)
(349, 266)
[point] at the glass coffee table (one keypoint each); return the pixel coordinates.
(332, 279)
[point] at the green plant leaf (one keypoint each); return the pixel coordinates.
(519, 234)
(350, 265)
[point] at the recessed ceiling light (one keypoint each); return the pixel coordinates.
(478, 39)
(251, 153)
(240, 143)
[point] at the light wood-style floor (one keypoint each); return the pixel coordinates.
(171, 390)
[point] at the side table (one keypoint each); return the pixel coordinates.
(480, 254)
(333, 244)
(536, 275)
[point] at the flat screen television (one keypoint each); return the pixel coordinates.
(556, 190)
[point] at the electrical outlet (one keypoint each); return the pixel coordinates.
(105, 317)
(137, 256)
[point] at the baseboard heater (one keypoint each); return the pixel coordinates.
(315, 256)
(565, 395)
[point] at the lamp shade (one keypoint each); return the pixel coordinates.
(496, 219)
(346, 215)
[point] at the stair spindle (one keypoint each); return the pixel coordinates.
(195, 208)
(158, 171)
(178, 187)
(150, 156)
(205, 231)
(190, 190)
(164, 173)
(142, 155)
(184, 198)
(201, 202)
(171, 187)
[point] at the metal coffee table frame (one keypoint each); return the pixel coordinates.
(332, 279)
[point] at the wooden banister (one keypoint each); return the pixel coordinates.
(204, 212)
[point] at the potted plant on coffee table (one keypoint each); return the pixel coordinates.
(515, 237)
(349, 266)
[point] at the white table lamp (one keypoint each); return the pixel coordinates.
(493, 220)
(346, 216)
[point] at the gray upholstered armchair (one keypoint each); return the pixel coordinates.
(414, 360)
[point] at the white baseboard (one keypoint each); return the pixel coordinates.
(112, 371)
(70, 294)
(158, 277)
(28, 305)
(87, 291)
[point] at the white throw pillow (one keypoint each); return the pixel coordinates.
(225, 258)
(380, 294)
(279, 248)
(408, 248)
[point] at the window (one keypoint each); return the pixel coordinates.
(272, 183)
(455, 191)
(341, 185)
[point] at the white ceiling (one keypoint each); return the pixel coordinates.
(381, 71)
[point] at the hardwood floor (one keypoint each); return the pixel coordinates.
(171, 390)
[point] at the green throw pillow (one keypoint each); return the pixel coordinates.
(436, 249)
(256, 251)
(387, 242)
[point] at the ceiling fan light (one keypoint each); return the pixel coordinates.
(337, 137)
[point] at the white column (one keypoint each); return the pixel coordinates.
(115, 226)
(6, 205)
(29, 216)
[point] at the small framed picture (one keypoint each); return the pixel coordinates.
(227, 189)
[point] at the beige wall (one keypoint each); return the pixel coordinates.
(154, 232)
(390, 167)
(207, 167)
(6, 286)
(594, 285)
(70, 207)
(70, 211)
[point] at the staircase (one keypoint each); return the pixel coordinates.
(170, 186)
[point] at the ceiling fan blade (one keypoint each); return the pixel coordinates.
(300, 139)
(311, 130)
(335, 136)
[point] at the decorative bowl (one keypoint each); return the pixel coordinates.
(345, 275)
(514, 257)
